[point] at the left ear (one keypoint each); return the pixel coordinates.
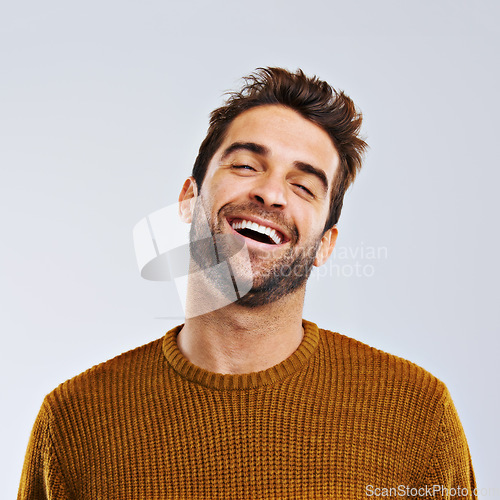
(326, 246)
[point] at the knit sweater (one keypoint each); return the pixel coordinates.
(336, 420)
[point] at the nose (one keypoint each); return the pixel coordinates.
(270, 191)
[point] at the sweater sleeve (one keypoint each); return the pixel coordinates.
(449, 474)
(42, 477)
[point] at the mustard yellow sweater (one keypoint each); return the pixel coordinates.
(336, 420)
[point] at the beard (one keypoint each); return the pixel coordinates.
(272, 276)
(285, 275)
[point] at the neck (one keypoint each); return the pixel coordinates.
(236, 339)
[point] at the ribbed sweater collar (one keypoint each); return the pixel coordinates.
(252, 380)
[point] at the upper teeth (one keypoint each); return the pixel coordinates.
(246, 224)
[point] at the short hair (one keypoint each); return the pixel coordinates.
(312, 98)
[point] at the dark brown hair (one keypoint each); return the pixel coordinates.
(312, 98)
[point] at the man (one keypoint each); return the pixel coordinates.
(249, 401)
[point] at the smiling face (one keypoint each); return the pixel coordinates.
(270, 184)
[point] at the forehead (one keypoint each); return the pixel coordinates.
(287, 135)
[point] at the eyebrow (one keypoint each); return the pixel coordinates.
(245, 146)
(263, 151)
(317, 172)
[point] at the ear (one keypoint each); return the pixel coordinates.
(326, 246)
(187, 199)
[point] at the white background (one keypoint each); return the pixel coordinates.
(103, 107)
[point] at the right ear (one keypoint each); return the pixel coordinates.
(187, 199)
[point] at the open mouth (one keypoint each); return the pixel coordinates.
(257, 232)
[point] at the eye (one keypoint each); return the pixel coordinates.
(242, 167)
(304, 189)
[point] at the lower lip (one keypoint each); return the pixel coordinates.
(255, 243)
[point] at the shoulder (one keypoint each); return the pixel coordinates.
(394, 392)
(380, 371)
(110, 379)
(407, 405)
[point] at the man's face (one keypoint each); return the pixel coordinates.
(269, 184)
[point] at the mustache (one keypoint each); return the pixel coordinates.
(253, 209)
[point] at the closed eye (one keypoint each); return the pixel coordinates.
(303, 188)
(242, 167)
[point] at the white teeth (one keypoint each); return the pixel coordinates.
(274, 236)
(245, 224)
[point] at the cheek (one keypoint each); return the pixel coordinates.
(224, 188)
(217, 194)
(311, 225)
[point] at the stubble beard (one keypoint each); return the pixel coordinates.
(273, 277)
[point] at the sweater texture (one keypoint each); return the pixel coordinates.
(336, 420)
